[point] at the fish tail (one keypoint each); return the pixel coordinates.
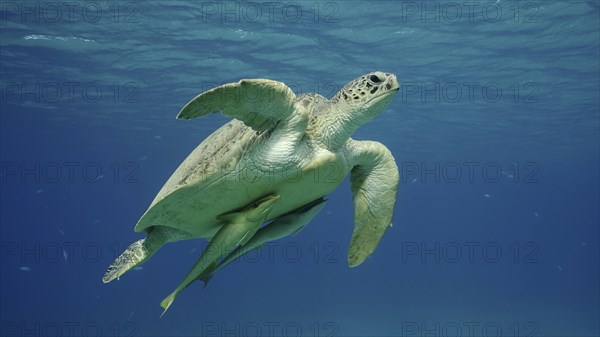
(166, 303)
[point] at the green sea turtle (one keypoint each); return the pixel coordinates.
(279, 156)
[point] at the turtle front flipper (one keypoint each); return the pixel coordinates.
(142, 250)
(238, 229)
(286, 225)
(374, 183)
(259, 103)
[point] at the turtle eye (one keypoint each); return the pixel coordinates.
(374, 79)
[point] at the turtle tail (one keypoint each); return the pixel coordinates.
(135, 254)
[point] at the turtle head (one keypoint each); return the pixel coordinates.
(366, 96)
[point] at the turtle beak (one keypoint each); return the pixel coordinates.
(392, 82)
(390, 86)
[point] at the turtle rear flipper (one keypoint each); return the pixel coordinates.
(140, 251)
(135, 254)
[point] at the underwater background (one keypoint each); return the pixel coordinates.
(495, 130)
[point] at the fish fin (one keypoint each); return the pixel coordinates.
(208, 273)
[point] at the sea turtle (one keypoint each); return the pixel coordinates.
(277, 159)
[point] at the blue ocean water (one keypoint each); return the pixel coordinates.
(495, 130)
